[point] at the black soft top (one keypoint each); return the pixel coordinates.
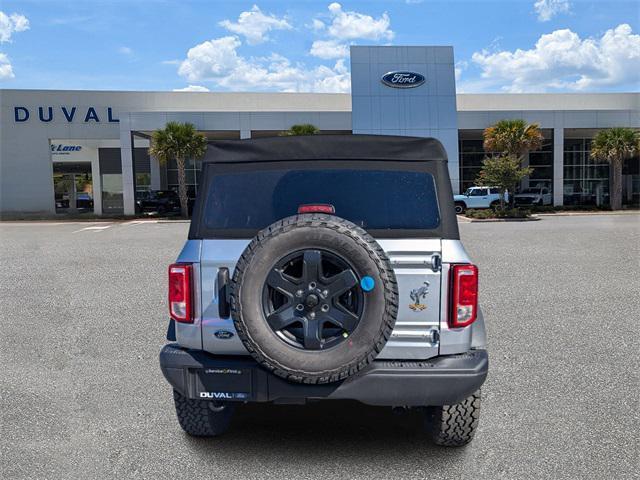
(327, 147)
(326, 152)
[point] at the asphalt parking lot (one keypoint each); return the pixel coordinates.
(83, 318)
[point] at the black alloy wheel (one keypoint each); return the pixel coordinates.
(312, 300)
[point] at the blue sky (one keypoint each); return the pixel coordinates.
(500, 46)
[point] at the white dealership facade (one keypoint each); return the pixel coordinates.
(96, 141)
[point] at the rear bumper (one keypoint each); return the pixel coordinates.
(438, 381)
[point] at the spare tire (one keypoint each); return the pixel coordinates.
(314, 298)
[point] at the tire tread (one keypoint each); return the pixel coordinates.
(454, 425)
(197, 419)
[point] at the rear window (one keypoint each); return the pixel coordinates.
(372, 199)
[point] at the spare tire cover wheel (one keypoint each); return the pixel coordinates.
(314, 298)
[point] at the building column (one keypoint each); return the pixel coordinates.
(558, 167)
(245, 134)
(154, 165)
(126, 159)
(96, 181)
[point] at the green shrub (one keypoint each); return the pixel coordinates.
(513, 213)
(543, 208)
(486, 213)
(498, 213)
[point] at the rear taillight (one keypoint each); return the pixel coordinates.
(180, 292)
(464, 295)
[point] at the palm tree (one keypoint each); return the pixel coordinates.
(178, 141)
(614, 146)
(301, 129)
(513, 139)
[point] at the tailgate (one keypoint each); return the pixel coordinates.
(417, 265)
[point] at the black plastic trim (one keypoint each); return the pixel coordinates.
(171, 330)
(444, 380)
(223, 293)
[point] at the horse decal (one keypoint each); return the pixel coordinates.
(418, 294)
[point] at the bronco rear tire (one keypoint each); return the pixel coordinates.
(202, 418)
(314, 298)
(454, 425)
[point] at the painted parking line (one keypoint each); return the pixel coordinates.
(94, 228)
(133, 223)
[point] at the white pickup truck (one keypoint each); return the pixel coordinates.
(534, 196)
(478, 197)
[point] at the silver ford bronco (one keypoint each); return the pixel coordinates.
(326, 267)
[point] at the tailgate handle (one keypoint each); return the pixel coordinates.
(223, 292)
(434, 262)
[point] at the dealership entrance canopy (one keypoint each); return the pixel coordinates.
(78, 151)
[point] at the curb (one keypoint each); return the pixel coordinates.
(94, 220)
(578, 214)
(495, 220)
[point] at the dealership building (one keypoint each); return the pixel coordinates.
(68, 151)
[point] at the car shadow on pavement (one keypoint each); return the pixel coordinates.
(321, 428)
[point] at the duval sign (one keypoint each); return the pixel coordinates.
(47, 114)
(402, 79)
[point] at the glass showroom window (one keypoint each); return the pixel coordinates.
(542, 163)
(142, 169)
(472, 153)
(471, 156)
(586, 181)
(192, 171)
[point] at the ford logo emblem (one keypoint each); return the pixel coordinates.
(223, 334)
(402, 79)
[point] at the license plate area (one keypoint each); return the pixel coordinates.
(222, 384)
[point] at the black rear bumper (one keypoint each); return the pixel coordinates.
(438, 381)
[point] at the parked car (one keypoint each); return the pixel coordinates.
(62, 200)
(534, 196)
(84, 201)
(159, 202)
(301, 282)
(478, 197)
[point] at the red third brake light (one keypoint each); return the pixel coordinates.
(180, 294)
(464, 295)
(317, 208)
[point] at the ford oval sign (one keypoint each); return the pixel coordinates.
(403, 79)
(223, 334)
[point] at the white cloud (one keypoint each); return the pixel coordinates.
(317, 25)
(547, 9)
(561, 60)
(211, 59)
(192, 88)
(328, 49)
(347, 25)
(125, 51)
(412, 2)
(6, 70)
(254, 25)
(10, 24)
(218, 61)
